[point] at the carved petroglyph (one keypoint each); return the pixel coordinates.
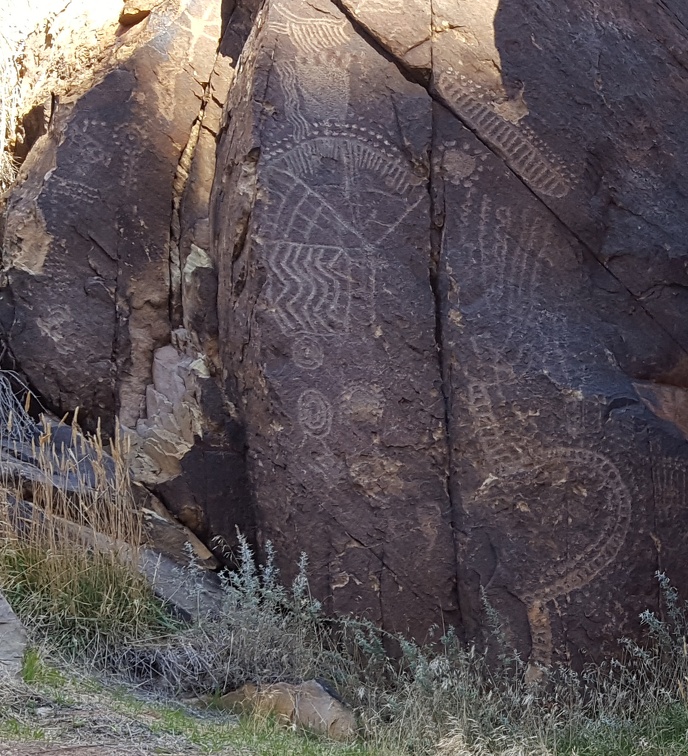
(598, 478)
(574, 487)
(316, 82)
(309, 287)
(316, 88)
(312, 32)
(357, 149)
(307, 352)
(200, 28)
(322, 240)
(91, 139)
(595, 478)
(561, 487)
(669, 477)
(292, 103)
(320, 290)
(506, 253)
(503, 451)
(67, 192)
(314, 413)
(321, 293)
(462, 165)
(516, 143)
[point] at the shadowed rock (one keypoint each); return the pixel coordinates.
(13, 641)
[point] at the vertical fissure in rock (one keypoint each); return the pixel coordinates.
(437, 225)
(181, 178)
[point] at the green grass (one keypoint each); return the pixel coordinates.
(660, 731)
(86, 709)
(80, 600)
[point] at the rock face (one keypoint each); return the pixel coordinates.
(13, 641)
(327, 317)
(87, 234)
(427, 327)
(106, 239)
(448, 260)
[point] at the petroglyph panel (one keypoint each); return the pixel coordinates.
(318, 289)
(331, 334)
(516, 143)
(102, 180)
(311, 32)
(71, 192)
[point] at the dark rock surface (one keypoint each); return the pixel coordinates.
(327, 316)
(561, 268)
(87, 235)
(428, 327)
(536, 264)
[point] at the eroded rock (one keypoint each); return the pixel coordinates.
(13, 641)
(88, 228)
(309, 705)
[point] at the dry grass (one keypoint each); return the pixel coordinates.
(69, 555)
(82, 596)
(9, 103)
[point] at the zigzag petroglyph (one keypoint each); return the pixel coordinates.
(312, 34)
(308, 287)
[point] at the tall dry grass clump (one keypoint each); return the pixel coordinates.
(70, 535)
(9, 103)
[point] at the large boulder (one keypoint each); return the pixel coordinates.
(450, 261)
(323, 236)
(88, 257)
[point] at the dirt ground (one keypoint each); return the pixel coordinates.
(34, 750)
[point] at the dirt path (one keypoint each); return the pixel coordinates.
(54, 750)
